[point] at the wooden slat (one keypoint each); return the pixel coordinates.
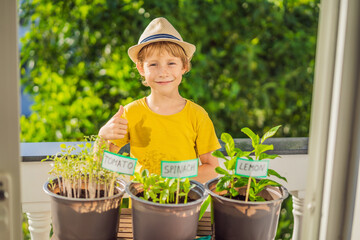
(125, 225)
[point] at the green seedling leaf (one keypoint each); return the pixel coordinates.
(254, 138)
(63, 145)
(267, 156)
(259, 199)
(164, 195)
(241, 182)
(272, 172)
(262, 148)
(219, 154)
(231, 163)
(223, 184)
(219, 170)
(204, 206)
(233, 192)
(241, 154)
(270, 133)
(146, 195)
(229, 143)
(145, 173)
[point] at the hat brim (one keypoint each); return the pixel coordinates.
(134, 50)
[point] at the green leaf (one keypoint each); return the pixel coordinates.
(219, 154)
(272, 172)
(270, 133)
(220, 170)
(229, 143)
(242, 181)
(223, 183)
(266, 182)
(262, 148)
(254, 138)
(145, 173)
(241, 154)
(204, 206)
(233, 192)
(231, 163)
(268, 156)
(63, 145)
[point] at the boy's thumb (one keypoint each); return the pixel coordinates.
(120, 111)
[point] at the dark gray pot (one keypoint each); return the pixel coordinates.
(234, 219)
(154, 221)
(90, 219)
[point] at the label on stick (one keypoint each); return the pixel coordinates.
(118, 163)
(179, 169)
(247, 168)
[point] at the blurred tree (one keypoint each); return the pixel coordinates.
(253, 65)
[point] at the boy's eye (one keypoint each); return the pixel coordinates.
(152, 65)
(172, 63)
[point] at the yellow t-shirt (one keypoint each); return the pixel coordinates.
(153, 137)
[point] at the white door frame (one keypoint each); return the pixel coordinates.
(334, 142)
(10, 208)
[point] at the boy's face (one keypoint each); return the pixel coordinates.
(162, 72)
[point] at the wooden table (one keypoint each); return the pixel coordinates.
(125, 226)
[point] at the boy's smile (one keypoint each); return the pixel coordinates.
(163, 82)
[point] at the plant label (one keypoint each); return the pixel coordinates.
(250, 168)
(118, 163)
(179, 169)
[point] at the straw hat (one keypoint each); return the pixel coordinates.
(159, 30)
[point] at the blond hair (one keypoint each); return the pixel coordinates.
(170, 47)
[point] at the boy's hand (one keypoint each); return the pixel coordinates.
(115, 128)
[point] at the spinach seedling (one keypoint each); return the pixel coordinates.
(163, 190)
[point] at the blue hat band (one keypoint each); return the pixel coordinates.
(157, 36)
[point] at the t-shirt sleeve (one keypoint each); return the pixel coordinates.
(123, 141)
(206, 140)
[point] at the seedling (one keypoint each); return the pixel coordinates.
(78, 171)
(163, 190)
(230, 182)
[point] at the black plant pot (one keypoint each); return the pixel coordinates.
(90, 219)
(154, 221)
(234, 219)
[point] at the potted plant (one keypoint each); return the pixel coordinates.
(165, 208)
(245, 207)
(85, 198)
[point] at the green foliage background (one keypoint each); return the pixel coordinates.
(253, 65)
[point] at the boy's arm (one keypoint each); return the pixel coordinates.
(207, 169)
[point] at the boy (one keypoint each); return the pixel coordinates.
(163, 125)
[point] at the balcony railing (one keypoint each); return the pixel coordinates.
(292, 164)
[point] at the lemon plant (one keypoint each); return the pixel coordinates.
(230, 182)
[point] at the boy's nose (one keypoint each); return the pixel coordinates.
(163, 71)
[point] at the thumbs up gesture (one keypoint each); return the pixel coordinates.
(115, 128)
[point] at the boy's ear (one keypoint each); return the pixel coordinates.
(140, 69)
(185, 69)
